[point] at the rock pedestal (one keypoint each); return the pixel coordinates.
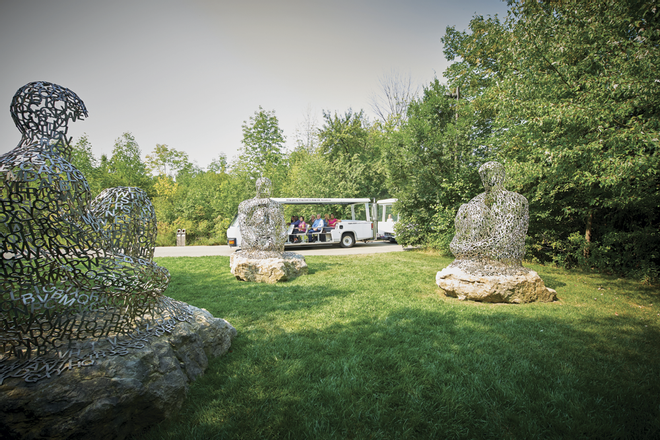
(116, 396)
(268, 270)
(522, 287)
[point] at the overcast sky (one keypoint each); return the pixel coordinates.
(188, 73)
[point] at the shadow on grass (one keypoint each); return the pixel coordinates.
(208, 283)
(442, 373)
(318, 267)
(553, 282)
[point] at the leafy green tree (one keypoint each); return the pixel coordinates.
(312, 174)
(352, 147)
(345, 163)
(430, 164)
(263, 148)
(571, 94)
(166, 161)
(345, 135)
(125, 166)
(218, 165)
(83, 159)
(202, 202)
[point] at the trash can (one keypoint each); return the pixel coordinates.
(180, 237)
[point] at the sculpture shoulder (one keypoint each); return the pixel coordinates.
(243, 205)
(514, 196)
(478, 199)
(254, 202)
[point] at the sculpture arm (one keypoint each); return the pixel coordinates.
(510, 230)
(473, 230)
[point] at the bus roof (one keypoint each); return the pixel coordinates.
(318, 201)
(386, 201)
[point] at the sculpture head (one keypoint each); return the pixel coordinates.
(42, 110)
(492, 175)
(264, 186)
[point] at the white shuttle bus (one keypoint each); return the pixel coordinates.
(387, 218)
(360, 227)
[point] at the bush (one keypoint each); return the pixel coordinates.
(166, 234)
(202, 233)
(219, 235)
(631, 254)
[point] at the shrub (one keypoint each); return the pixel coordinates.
(166, 234)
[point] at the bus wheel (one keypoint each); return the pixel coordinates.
(347, 240)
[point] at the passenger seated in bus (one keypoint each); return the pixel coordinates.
(294, 222)
(332, 222)
(300, 229)
(326, 224)
(317, 227)
(390, 219)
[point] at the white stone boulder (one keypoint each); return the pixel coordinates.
(116, 396)
(268, 270)
(524, 286)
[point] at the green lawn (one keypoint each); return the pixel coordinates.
(366, 347)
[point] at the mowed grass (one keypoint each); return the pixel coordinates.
(366, 347)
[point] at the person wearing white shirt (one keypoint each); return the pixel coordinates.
(317, 226)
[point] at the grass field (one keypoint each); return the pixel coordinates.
(365, 347)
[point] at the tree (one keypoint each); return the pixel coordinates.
(125, 167)
(263, 145)
(429, 163)
(83, 159)
(307, 133)
(166, 161)
(571, 90)
(218, 165)
(396, 93)
(346, 134)
(352, 148)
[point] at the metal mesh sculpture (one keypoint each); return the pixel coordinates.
(77, 281)
(491, 228)
(128, 219)
(262, 225)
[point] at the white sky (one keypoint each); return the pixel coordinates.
(188, 73)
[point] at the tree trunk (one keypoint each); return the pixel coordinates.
(587, 233)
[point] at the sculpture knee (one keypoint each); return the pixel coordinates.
(128, 218)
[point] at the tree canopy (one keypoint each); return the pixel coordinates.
(570, 93)
(564, 93)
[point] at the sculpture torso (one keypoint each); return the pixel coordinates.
(491, 228)
(261, 221)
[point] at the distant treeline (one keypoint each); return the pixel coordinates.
(565, 93)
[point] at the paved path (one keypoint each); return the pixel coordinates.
(202, 251)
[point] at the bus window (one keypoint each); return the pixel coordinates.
(390, 212)
(359, 212)
(381, 213)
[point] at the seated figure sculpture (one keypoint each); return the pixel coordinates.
(491, 228)
(489, 246)
(263, 234)
(75, 272)
(261, 221)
